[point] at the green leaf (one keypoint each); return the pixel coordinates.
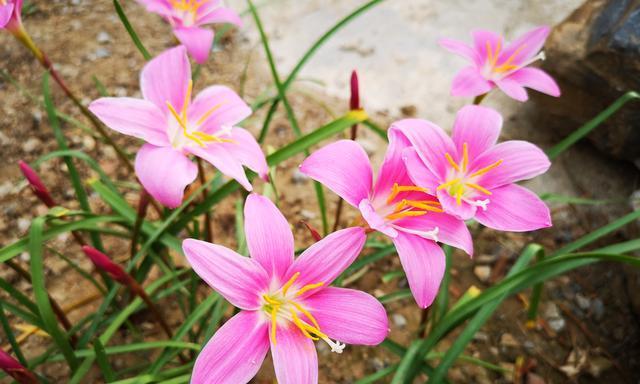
(103, 361)
(131, 31)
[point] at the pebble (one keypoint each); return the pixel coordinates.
(307, 214)
(557, 324)
(24, 224)
(103, 37)
(399, 320)
(6, 188)
(299, 177)
(481, 336)
(583, 302)
(486, 259)
(101, 53)
(31, 145)
(482, 272)
(554, 317)
(507, 340)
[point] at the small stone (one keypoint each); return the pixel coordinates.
(88, 142)
(597, 365)
(486, 259)
(3, 224)
(481, 336)
(482, 272)
(557, 324)
(583, 302)
(299, 177)
(102, 53)
(103, 37)
(6, 188)
(25, 256)
(409, 110)
(377, 364)
(551, 310)
(24, 224)
(31, 144)
(529, 345)
(507, 340)
(308, 215)
(399, 320)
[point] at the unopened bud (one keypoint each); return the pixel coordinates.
(14, 369)
(36, 184)
(104, 263)
(354, 102)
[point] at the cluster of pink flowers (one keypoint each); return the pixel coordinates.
(428, 185)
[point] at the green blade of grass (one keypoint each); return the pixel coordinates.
(132, 33)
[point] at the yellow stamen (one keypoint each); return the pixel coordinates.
(270, 300)
(188, 5)
(426, 207)
(486, 169)
(308, 287)
(507, 66)
(274, 324)
(453, 164)
(459, 193)
(208, 113)
(448, 183)
(303, 327)
(465, 157)
(400, 215)
(187, 100)
(396, 189)
(184, 126)
(306, 313)
(479, 188)
(289, 283)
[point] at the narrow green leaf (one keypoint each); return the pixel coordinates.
(131, 31)
(8, 332)
(103, 361)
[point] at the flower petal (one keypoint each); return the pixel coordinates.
(483, 39)
(165, 173)
(239, 279)
(228, 109)
(269, 236)
(430, 141)
(526, 46)
(374, 220)
(451, 230)
(166, 78)
(198, 42)
(134, 117)
(463, 211)
(537, 79)
(161, 7)
(325, 260)
(461, 49)
(216, 14)
(344, 168)
(515, 209)
(521, 160)
(419, 173)
(423, 262)
(5, 13)
(294, 357)
(235, 352)
(477, 126)
(393, 169)
(512, 88)
(225, 161)
(247, 151)
(349, 315)
(469, 82)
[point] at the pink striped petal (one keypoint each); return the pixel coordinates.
(515, 209)
(374, 220)
(463, 211)
(134, 117)
(431, 143)
(512, 88)
(269, 236)
(164, 173)
(216, 14)
(161, 7)
(419, 173)
(218, 156)
(247, 151)
(349, 315)
(241, 280)
(393, 169)
(469, 82)
(294, 357)
(166, 78)
(537, 79)
(235, 352)
(461, 49)
(451, 231)
(228, 109)
(5, 13)
(477, 126)
(328, 258)
(486, 43)
(526, 46)
(198, 42)
(423, 262)
(521, 160)
(344, 168)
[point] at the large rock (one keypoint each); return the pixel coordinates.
(595, 56)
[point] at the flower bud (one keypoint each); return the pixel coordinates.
(104, 263)
(354, 102)
(14, 369)
(36, 184)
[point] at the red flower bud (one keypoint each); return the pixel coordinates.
(36, 184)
(354, 103)
(104, 263)
(14, 369)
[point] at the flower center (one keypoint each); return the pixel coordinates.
(282, 305)
(493, 70)
(3, 2)
(188, 130)
(463, 186)
(187, 10)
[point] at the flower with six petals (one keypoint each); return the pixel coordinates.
(10, 14)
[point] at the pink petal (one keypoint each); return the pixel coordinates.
(349, 315)
(451, 231)
(216, 14)
(325, 260)
(5, 13)
(198, 42)
(228, 109)
(218, 156)
(469, 82)
(247, 151)
(512, 88)
(521, 160)
(235, 352)
(134, 117)
(161, 7)
(526, 46)
(463, 211)
(515, 209)
(419, 173)
(374, 220)
(483, 39)
(268, 235)
(423, 262)
(294, 357)
(241, 280)
(165, 173)
(393, 169)
(537, 79)
(477, 126)
(344, 168)
(461, 49)
(166, 78)
(431, 143)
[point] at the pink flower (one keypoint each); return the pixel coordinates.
(285, 304)
(187, 16)
(10, 14)
(174, 126)
(471, 175)
(395, 206)
(496, 64)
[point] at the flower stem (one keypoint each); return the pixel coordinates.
(478, 99)
(208, 232)
(143, 204)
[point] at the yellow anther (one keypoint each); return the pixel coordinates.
(401, 215)
(306, 313)
(308, 287)
(274, 324)
(187, 100)
(492, 56)
(507, 66)
(188, 5)
(302, 326)
(427, 206)
(459, 193)
(486, 169)
(396, 189)
(448, 183)
(479, 188)
(465, 157)
(453, 163)
(271, 300)
(183, 125)
(206, 115)
(289, 283)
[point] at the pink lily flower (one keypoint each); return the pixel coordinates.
(285, 304)
(496, 64)
(394, 206)
(472, 176)
(188, 16)
(10, 14)
(174, 126)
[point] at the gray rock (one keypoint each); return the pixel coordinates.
(583, 302)
(103, 37)
(399, 320)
